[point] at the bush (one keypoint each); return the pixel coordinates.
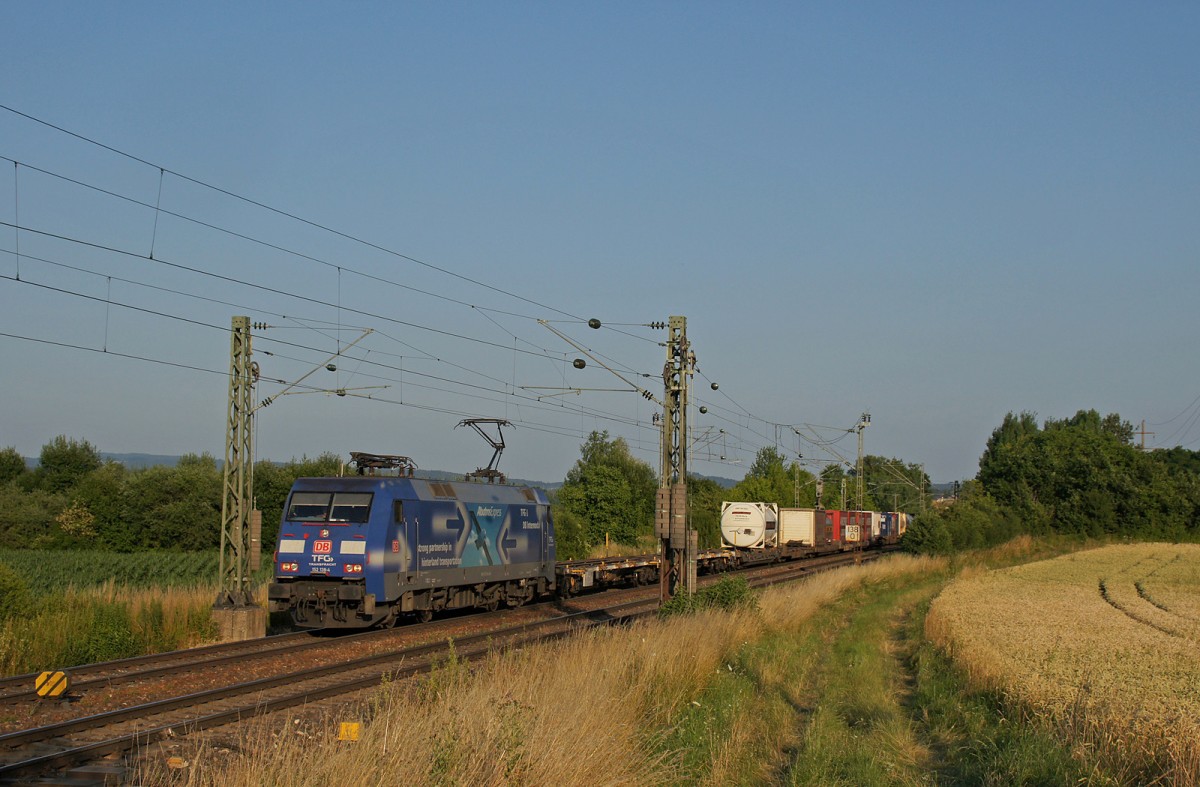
(974, 521)
(728, 593)
(928, 535)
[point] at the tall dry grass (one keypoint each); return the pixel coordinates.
(572, 712)
(599, 708)
(790, 606)
(643, 546)
(105, 623)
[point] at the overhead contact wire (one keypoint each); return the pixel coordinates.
(280, 212)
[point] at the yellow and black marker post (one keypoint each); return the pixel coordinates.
(53, 684)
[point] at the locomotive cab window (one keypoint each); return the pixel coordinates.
(337, 508)
(351, 507)
(308, 507)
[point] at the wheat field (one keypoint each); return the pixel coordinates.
(1101, 644)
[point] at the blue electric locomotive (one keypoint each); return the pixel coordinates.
(360, 551)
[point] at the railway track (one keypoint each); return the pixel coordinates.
(19, 688)
(80, 743)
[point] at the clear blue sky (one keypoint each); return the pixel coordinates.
(937, 212)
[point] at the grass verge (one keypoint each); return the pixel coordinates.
(829, 681)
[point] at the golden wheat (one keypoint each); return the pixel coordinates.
(1101, 643)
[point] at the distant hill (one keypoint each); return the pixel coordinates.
(132, 461)
(724, 483)
(140, 461)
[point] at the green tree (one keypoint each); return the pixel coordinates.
(27, 516)
(65, 461)
(569, 537)
(704, 510)
(1009, 432)
(832, 477)
(1179, 460)
(768, 462)
(894, 485)
(1090, 421)
(1081, 475)
(178, 507)
(603, 502)
(927, 535)
(973, 521)
(12, 465)
(118, 516)
(771, 480)
(609, 492)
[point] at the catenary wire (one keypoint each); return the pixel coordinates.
(284, 213)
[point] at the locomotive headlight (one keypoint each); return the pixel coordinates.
(353, 568)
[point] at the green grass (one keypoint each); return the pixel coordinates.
(860, 731)
(859, 697)
(694, 739)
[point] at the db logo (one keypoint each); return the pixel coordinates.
(395, 546)
(322, 547)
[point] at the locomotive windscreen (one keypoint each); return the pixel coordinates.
(346, 507)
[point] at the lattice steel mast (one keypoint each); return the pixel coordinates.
(678, 540)
(237, 498)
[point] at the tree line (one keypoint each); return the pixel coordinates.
(1077, 476)
(1080, 476)
(74, 499)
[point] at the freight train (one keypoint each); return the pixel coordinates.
(369, 550)
(804, 532)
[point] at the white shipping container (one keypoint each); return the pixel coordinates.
(876, 518)
(796, 524)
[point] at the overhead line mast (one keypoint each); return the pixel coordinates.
(236, 612)
(678, 539)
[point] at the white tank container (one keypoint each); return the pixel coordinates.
(749, 525)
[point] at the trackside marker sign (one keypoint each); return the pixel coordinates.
(52, 684)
